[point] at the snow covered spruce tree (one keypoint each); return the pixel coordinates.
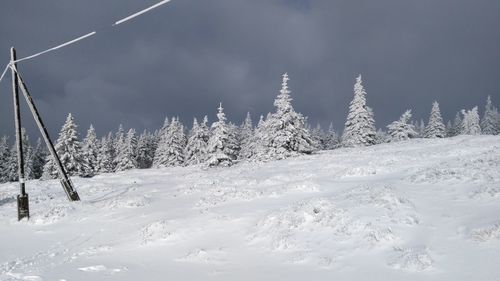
(39, 157)
(402, 129)
(4, 159)
(69, 150)
(170, 151)
(159, 134)
(470, 122)
(196, 148)
(435, 128)
(219, 148)
(419, 128)
(145, 150)
(29, 157)
(11, 172)
(449, 129)
(10, 165)
(283, 134)
(318, 137)
(234, 141)
(360, 125)
(382, 136)
(490, 124)
(118, 142)
(457, 125)
(90, 151)
(246, 132)
(253, 146)
(105, 158)
(126, 157)
(332, 140)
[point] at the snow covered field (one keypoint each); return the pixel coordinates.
(416, 210)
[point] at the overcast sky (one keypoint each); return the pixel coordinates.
(187, 56)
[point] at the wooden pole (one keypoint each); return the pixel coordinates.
(65, 180)
(22, 199)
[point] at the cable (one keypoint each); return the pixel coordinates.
(56, 47)
(81, 37)
(141, 12)
(5, 71)
(92, 33)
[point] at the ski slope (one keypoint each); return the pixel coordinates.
(415, 210)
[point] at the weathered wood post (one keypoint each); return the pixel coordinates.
(64, 178)
(23, 210)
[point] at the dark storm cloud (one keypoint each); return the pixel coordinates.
(185, 57)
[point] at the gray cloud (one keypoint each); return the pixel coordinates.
(183, 58)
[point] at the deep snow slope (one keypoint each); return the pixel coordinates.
(416, 210)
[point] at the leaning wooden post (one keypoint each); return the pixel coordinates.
(23, 210)
(64, 178)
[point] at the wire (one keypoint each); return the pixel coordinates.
(56, 47)
(141, 12)
(10, 64)
(91, 33)
(81, 37)
(4, 72)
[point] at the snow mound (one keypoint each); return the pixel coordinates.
(92, 251)
(313, 224)
(285, 228)
(486, 233)
(382, 203)
(469, 168)
(20, 276)
(359, 172)
(129, 202)
(52, 214)
(347, 214)
(94, 268)
(156, 231)
(248, 190)
(7, 200)
(101, 268)
(486, 191)
(412, 259)
(204, 256)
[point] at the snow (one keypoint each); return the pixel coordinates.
(422, 209)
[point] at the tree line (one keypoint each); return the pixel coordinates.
(281, 134)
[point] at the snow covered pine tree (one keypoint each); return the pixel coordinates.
(105, 158)
(401, 129)
(69, 150)
(126, 158)
(283, 134)
(246, 133)
(470, 122)
(220, 152)
(90, 151)
(360, 125)
(196, 148)
(39, 158)
(490, 124)
(332, 140)
(4, 159)
(318, 136)
(171, 146)
(435, 128)
(145, 151)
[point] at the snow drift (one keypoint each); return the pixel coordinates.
(413, 210)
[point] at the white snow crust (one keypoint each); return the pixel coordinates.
(424, 209)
